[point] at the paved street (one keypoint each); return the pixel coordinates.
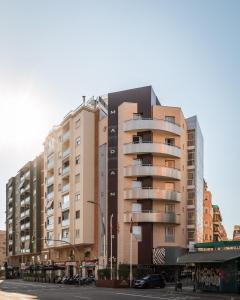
(17, 289)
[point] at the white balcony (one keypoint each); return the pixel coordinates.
(10, 200)
(65, 188)
(150, 147)
(66, 136)
(50, 226)
(164, 173)
(65, 222)
(152, 217)
(153, 125)
(10, 242)
(65, 239)
(50, 242)
(50, 180)
(65, 170)
(151, 193)
(27, 225)
(50, 212)
(23, 238)
(10, 221)
(65, 205)
(25, 250)
(65, 153)
(50, 165)
(26, 213)
(50, 196)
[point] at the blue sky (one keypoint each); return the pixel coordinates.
(52, 52)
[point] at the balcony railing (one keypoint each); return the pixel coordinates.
(50, 180)
(50, 226)
(26, 213)
(65, 239)
(65, 170)
(65, 153)
(50, 212)
(152, 217)
(152, 147)
(50, 165)
(50, 195)
(152, 193)
(66, 136)
(142, 124)
(65, 205)
(65, 222)
(65, 188)
(149, 170)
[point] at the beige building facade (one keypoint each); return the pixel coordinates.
(2, 248)
(207, 215)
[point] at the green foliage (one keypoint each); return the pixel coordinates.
(124, 271)
(141, 272)
(104, 274)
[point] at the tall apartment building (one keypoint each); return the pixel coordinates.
(219, 232)
(23, 211)
(146, 146)
(71, 189)
(195, 181)
(2, 247)
(207, 215)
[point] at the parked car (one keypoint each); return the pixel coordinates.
(150, 281)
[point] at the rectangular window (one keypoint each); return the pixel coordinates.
(59, 220)
(77, 160)
(169, 234)
(77, 141)
(190, 217)
(169, 186)
(191, 197)
(77, 214)
(77, 197)
(59, 171)
(191, 157)
(191, 177)
(191, 137)
(170, 119)
(169, 208)
(59, 187)
(77, 232)
(136, 207)
(170, 163)
(190, 235)
(137, 232)
(170, 141)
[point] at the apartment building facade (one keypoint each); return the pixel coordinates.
(207, 215)
(2, 248)
(23, 214)
(236, 233)
(70, 190)
(219, 232)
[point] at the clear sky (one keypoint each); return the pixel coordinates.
(52, 52)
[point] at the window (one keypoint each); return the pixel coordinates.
(77, 232)
(170, 141)
(77, 178)
(170, 119)
(77, 141)
(191, 197)
(190, 217)
(169, 208)
(59, 187)
(170, 163)
(136, 207)
(77, 123)
(190, 235)
(169, 234)
(137, 232)
(191, 137)
(77, 160)
(191, 177)
(59, 171)
(77, 214)
(59, 220)
(191, 157)
(77, 197)
(65, 215)
(65, 233)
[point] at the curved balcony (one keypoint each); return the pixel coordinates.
(164, 173)
(150, 147)
(152, 217)
(150, 193)
(151, 124)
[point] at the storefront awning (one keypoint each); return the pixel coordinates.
(216, 256)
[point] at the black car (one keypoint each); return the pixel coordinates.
(150, 281)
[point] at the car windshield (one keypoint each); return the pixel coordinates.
(146, 277)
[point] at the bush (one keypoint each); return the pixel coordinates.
(104, 274)
(124, 271)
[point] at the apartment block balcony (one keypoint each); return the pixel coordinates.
(50, 242)
(150, 147)
(25, 238)
(10, 221)
(50, 226)
(142, 124)
(152, 217)
(50, 195)
(50, 180)
(25, 250)
(66, 136)
(50, 165)
(25, 214)
(159, 172)
(152, 193)
(66, 188)
(10, 242)
(65, 222)
(25, 202)
(65, 205)
(65, 153)
(65, 239)
(50, 212)
(10, 253)
(25, 189)
(10, 200)
(25, 226)
(50, 150)
(65, 170)
(10, 231)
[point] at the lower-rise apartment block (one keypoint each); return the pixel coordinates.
(207, 215)
(23, 214)
(219, 232)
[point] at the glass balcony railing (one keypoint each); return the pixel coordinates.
(65, 188)
(65, 205)
(152, 217)
(65, 222)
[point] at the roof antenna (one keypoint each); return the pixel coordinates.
(84, 99)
